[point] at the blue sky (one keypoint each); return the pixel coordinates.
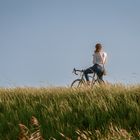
(41, 41)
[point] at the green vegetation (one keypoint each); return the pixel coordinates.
(110, 112)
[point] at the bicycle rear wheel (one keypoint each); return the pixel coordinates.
(77, 83)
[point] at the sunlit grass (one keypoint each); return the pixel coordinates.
(104, 112)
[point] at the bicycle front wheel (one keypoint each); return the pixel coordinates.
(77, 83)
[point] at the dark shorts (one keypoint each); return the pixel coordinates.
(95, 68)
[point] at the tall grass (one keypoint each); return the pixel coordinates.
(104, 112)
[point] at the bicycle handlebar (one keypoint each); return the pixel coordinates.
(81, 71)
(75, 71)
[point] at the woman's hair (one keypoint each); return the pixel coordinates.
(98, 47)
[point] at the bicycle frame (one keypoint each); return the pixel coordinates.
(82, 74)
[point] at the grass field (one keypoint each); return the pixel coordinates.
(110, 112)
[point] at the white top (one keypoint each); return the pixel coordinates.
(99, 58)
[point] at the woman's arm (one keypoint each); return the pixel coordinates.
(104, 57)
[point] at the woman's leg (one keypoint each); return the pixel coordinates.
(99, 71)
(95, 68)
(88, 71)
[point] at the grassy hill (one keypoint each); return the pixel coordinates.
(110, 112)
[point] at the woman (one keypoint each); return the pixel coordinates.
(99, 59)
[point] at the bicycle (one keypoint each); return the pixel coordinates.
(82, 81)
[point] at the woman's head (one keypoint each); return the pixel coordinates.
(98, 48)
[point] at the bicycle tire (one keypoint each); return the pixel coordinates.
(77, 83)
